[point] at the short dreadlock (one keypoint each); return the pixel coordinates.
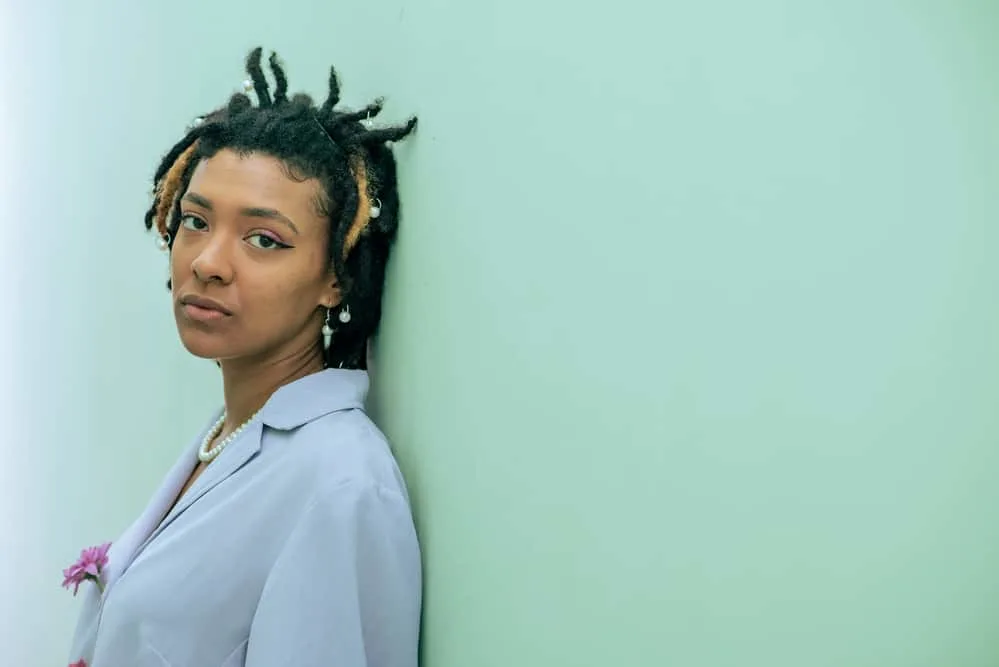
(352, 161)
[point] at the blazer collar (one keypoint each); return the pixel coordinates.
(314, 396)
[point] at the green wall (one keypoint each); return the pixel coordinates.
(690, 350)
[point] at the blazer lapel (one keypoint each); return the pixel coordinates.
(124, 550)
(232, 458)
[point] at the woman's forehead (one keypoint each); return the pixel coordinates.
(231, 179)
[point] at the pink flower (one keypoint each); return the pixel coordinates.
(90, 566)
(81, 663)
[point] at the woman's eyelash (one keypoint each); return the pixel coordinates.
(277, 245)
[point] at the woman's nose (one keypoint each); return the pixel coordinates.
(213, 264)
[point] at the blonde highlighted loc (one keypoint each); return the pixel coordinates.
(169, 189)
(363, 217)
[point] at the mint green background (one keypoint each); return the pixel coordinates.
(690, 354)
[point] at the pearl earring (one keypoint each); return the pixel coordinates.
(327, 330)
(163, 242)
(345, 315)
(376, 208)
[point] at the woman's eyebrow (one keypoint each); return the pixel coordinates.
(250, 212)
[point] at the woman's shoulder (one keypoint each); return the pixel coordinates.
(337, 448)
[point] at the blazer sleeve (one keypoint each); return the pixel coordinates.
(346, 588)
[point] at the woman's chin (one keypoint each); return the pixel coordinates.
(205, 346)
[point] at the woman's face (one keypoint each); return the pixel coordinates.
(248, 268)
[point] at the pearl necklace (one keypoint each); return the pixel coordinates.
(207, 455)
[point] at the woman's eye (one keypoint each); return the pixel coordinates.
(266, 242)
(193, 223)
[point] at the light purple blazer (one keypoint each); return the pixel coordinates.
(296, 546)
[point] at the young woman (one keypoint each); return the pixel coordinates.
(283, 535)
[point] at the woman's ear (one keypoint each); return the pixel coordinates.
(331, 295)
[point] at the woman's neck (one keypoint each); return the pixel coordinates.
(247, 385)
